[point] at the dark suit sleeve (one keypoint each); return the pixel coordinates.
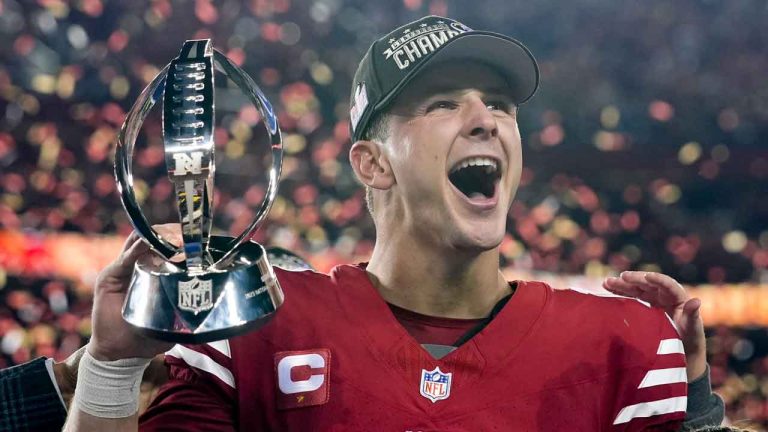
(28, 399)
(704, 407)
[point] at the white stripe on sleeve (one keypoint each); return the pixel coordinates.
(671, 321)
(648, 409)
(202, 362)
(671, 346)
(221, 346)
(657, 377)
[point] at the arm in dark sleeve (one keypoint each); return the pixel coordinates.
(29, 400)
(704, 407)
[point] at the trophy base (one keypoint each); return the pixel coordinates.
(203, 337)
(166, 303)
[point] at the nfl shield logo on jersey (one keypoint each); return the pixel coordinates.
(435, 385)
(195, 295)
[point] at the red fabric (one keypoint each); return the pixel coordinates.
(191, 401)
(550, 360)
(432, 330)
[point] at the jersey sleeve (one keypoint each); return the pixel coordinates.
(653, 393)
(200, 394)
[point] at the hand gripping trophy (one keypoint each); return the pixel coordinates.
(224, 286)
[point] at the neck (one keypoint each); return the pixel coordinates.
(435, 281)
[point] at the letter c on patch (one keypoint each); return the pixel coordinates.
(288, 385)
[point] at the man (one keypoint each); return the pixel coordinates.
(428, 335)
(34, 395)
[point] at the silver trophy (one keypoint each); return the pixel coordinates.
(224, 286)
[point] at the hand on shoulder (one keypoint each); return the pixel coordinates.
(666, 293)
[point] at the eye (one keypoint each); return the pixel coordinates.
(501, 105)
(440, 105)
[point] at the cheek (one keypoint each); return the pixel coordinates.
(515, 154)
(423, 170)
(517, 158)
(418, 153)
(516, 170)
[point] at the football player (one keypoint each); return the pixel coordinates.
(428, 335)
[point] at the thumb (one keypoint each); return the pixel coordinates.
(691, 308)
(691, 317)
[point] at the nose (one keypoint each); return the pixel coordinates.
(480, 122)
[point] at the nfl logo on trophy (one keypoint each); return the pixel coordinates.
(195, 295)
(223, 286)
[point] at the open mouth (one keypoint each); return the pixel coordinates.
(476, 177)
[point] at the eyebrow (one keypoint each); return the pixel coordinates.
(491, 91)
(412, 100)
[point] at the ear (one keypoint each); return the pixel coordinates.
(371, 164)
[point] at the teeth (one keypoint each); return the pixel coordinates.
(489, 163)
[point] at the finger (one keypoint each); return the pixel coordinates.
(669, 284)
(129, 241)
(618, 283)
(611, 283)
(669, 290)
(663, 297)
(139, 248)
(648, 295)
(626, 291)
(652, 297)
(624, 288)
(636, 278)
(170, 232)
(123, 265)
(692, 327)
(633, 293)
(644, 292)
(606, 284)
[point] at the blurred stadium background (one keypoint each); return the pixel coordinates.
(645, 148)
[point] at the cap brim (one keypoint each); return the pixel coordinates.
(509, 57)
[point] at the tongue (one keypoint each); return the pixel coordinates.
(476, 195)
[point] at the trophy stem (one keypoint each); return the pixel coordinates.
(188, 118)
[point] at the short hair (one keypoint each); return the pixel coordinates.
(378, 128)
(378, 131)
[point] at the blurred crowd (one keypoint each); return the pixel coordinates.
(644, 148)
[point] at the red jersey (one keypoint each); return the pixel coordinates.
(334, 358)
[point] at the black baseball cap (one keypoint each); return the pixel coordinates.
(394, 60)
